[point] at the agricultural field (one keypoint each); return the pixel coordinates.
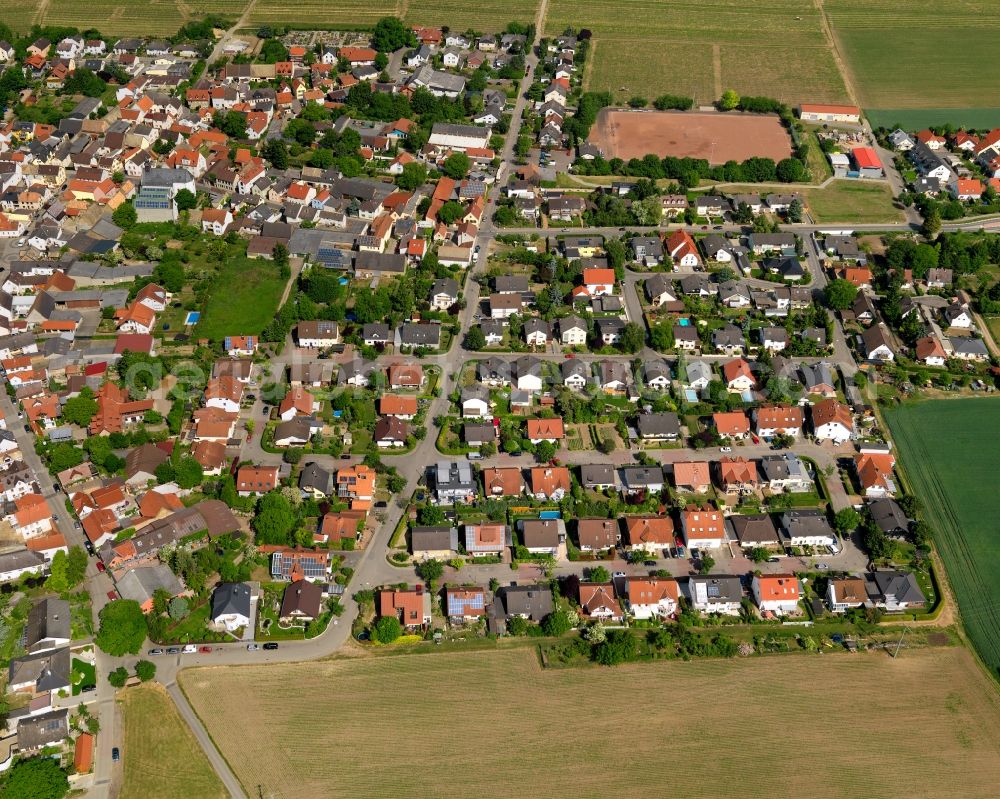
(344, 14)
(160, 756)
(493, 16)
(917, 118)
(112, 17)
(426, 742)
(242, 301)
(950, 451)
(778, 49)
(895, 62)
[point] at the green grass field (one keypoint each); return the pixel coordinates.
(950, 451)
(852, 202)
(160, 757)
(919, 54)
(652, 47)
(917, 118)
(243, 299)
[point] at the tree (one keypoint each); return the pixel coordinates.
(58, 580)
(390, 34)
(707, 564)
(598, 574)
(165, 473)
(125, 216)
(619, 646)
(545, 451)
(123, 628)
(430, 570)
(729, 100)
(118, 677)
(64, 456)
(475, 339)
(790, 170)
(178, 608)
(795, 211)
(186, 200)
(36, 778)
(839, 294)
(76, 566)
(145, 670)
(759, 554)
(557, 623)
(932, 223)
(276, 152)
(79, 410)
(387, 629)
(414, 176)
(456, 165)
(450, 212)
(188, 472)
(633, 338)
(274, 520)
(846, 521)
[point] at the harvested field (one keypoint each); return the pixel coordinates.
(716, 137)
(160, 756)
(950, 451)
(383, 740)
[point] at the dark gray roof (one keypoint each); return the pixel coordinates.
(231, 598)
(314, 476)
(658, 424)
(532, 601)
(887, 514)
(438, 537)
(716, 588)
(48, 671)
(753, 530)
(595, 474)
(48, 619)
(34, 732)
(902, 586)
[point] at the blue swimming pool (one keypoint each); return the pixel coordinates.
(684, 322)
(549, 514)
(192, 317)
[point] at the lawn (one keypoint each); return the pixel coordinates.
(161, 758)
(895, 63)
(242, 301)
(86, 673)
(699, 49)
(915, 119)
(950, 451)
(813, 721)
(460, 15)
(852, 201)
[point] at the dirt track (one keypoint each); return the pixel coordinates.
(714, 136)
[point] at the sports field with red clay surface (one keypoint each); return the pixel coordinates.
(716, 137)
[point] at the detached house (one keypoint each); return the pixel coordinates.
(776, 593)
(652, 597)
(832, 421)
(704, 527)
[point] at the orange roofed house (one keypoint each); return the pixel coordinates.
(652, 597)
(733, 424)
(649, 533)
(252, 480)
(875, 473)
(738, 476)
(116, 412)
(692, 477)
(502, 482)
(412, 606)
(703, 527)
(776, 593)
(597, 601)
(356, 483)
(550, 430)
(550, 482)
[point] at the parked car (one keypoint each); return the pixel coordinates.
(725, 449)
(155, 651)
(100, 565)
(112, 596)
(204, 649)
(174, 650)
(189, 649)
(252, 647)
(270, 645)
(116, 754)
